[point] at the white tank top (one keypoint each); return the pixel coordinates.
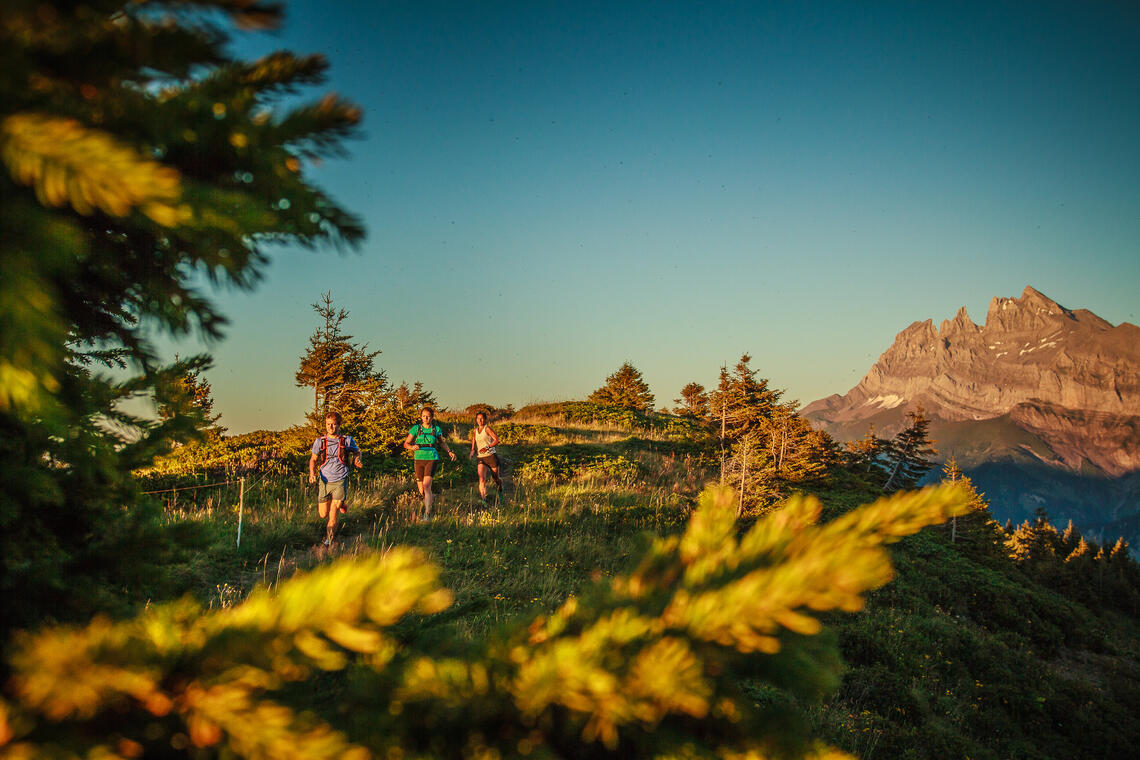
(483, 440)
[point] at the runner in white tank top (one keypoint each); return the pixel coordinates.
(483, 443)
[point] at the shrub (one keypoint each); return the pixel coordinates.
(545, 466)
(605, 467)
(512, 433)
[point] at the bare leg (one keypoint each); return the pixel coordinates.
(327, 513)
(482, 481)
(330, 528)
(425, 489)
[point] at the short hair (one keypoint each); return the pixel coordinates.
(333, 416)
(429, 410)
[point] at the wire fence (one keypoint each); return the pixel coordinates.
(192, 488)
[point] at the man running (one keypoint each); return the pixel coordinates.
(332, 453)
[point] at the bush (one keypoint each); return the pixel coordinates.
(589, 413)
(610, 468)
(545, 466)
(512, 433)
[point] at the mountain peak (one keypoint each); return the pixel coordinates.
(1034, 293)
(1032, 311)
(1030, 348)
(960, 324)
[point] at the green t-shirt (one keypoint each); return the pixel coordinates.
(425, 437)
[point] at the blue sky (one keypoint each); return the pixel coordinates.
(552, 189)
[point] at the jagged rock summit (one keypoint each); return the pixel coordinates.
(1067, 376)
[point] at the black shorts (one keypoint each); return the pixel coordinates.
(424, 468)
(490, 460)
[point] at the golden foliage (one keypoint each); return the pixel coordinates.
(662, 643)
(66, 162)
(234, 655)
(740, 595)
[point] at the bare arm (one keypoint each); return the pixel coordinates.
(443, 442)
(313, 468)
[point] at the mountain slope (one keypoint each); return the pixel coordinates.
(1041, 404)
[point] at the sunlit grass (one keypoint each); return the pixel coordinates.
(530, 546)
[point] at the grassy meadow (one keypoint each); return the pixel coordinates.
(959, 656)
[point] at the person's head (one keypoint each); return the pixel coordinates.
(332, 422)
(427, 415)
(480, 418)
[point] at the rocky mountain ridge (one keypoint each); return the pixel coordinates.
(1040, 405)
(1067, 377)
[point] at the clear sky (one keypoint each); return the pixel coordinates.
(553, 188)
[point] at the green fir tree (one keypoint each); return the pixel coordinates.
(625, 388)
(138, 158)
(909, 454)
(694, 402)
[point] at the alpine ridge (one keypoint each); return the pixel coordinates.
(1048, 388)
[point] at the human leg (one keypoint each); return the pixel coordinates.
(427, 496)
(330, 526)
(330, 499)
(482, 468)
(491, 464)
(324, 503)
(495, 472)
(424, 468)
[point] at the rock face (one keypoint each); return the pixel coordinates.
(1040, 406)
(1069, 377)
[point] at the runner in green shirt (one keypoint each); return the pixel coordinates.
(424, 441)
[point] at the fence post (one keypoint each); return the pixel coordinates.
(241, 506)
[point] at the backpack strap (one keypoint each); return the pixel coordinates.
(433, 431)
(341, 454)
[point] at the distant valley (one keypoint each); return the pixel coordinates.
(1040, 405)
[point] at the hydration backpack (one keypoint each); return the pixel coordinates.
(341, 451)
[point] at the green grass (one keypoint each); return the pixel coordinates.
(957, 657)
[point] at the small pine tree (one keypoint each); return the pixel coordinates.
(694, 402)
(862, 455)
(975, 533)
(908, 456)
(340, 371)
(415, 397)
(625, 388)
(192, 391)
(743, 401)
(781, 445)
(345, 379)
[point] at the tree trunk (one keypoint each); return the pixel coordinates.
(723, 411)
(743, 475)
